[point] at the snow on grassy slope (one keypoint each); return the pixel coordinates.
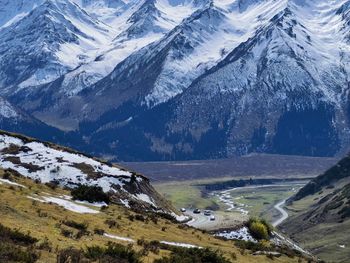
(240, 234)
(67, 204)
(49, 163)
(176, 244)
(119, 238)
(5, 181)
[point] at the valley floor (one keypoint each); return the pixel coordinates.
(231, 207)
(256, 166)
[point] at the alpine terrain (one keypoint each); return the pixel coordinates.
(179, 79)
(59, 205)
(320, 214)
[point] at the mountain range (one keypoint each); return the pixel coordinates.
(178, 79)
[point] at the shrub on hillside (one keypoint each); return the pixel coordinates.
(13, 253)
(7, 234)
(90, 193)
(112, 253)
(189, 255)
(259, 228)
(70, 255)
(76, 225)
(16, 246)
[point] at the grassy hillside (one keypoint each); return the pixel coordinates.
(52, 229)
(320, 214)
(333, 175)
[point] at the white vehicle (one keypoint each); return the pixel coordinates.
(212, 218)
(183, 210)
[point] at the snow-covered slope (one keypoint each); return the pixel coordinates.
(13, 10)
(47, 162)
(164, 68)
(112, 30)
(54, 38)
(7, 111)
(201, 42)
(138, 25)
(104, 10)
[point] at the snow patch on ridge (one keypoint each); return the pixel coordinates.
(176, 244)
(5, 181)
(69, 205)
(52, 164)
(119, 238)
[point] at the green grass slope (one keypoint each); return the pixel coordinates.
(320, 214)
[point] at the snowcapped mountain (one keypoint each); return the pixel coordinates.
(51, 40)
(283, 78)
(187, 78)
(14, 10)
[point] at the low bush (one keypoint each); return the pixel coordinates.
(111, 223)
(90, 193)
(76, 225)
(13, 253)
(190, 255)
(252, 246)
(7, 234)
(152, 246)
(70, 255)
(99, 231)
(264, 245)
(7, 175)
(259, 228)
(44, 244)
(67, 233)
(113, 253)
(139, 217)
(16, 246)
(53, 184)
(345, 212)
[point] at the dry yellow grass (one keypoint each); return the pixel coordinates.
(42, 221)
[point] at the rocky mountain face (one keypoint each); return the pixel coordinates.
(14, 119)
(182, 79)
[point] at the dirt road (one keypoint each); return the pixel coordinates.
(284, 214)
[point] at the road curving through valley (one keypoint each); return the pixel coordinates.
(284, 214)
